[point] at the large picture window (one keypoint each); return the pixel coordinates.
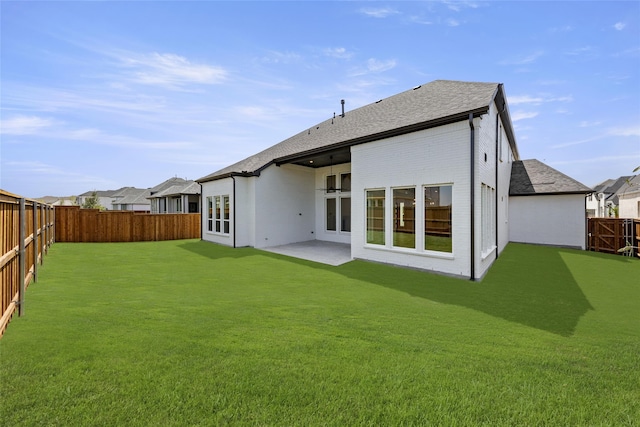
(225, 222)
(221, 214)
(437, 218)
(404, 217)
(218, 214)
(375, 217)
(345, 214)
(488, 218)
(331, 214)
(210, 213)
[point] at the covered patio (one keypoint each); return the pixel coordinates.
(316, 250)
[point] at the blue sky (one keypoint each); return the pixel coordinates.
(101, 95)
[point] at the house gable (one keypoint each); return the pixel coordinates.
(426, 106)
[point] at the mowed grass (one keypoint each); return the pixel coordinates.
(190, 333)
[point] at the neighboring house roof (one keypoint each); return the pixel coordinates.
(131, 196)
(434, 104)
(167, 184)
(128, 191)
(630, 186)
(189, 187)
(48, 199)
(532, 177)
(99, 193)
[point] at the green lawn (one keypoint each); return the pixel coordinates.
(190, 333)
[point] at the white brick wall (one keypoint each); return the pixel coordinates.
(434, 156)
(549, 220)
(284, 205)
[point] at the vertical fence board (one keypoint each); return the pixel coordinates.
(19, 257)
(609, 235)
(73, 224)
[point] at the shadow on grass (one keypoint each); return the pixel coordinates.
(530, 285)
(216, 251)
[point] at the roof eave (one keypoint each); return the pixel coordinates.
(381, 135)
(232, 174)
(551, 193)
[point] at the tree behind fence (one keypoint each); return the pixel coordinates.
(91, 225)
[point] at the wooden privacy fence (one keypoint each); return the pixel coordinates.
(611, 234)
(26, 232)
(91, 225)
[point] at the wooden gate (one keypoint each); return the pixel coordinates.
(612, 234)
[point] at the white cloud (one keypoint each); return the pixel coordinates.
(276, 57)
(453, 22)
(338, 52)
(521, 115)
(588, 124)
(376, 66)
(457, 6)
(633, 130)
(382, 12)
(580, 51)
(24, 125)
(522, 59)
(170, 70)
(537, 100)
(619, 26)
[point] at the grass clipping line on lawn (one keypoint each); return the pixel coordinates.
(192, 333)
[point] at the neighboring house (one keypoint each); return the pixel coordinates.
(105, 198)
(131, 199)
(629, 198)
(181, 197)
(58, 201)
(604, 200)
(546, 206)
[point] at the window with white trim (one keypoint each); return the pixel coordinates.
(488, 206)
(209, 213)
(220, 215)
(437, 218)
(375, 217)
(404, 217)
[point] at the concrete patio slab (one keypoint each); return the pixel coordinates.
(316, 250)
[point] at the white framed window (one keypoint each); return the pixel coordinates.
(221, 216)
(209, 213)
(488, 223)
(500, 142)
(375, 218)
(404, 217)
(337, 202)
(438, 230)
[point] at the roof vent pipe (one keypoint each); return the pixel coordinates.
(342, 102)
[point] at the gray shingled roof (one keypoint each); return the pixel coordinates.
(432, 104)
(189, 187)
(630, 186)
(532, 177)
(166, 184)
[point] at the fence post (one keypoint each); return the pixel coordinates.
(35, 241)
(21, 256)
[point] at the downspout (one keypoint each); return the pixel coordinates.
(472, 193)
(202, 212)
(497, 182)
(234, 210)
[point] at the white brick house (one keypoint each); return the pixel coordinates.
(419, 179)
